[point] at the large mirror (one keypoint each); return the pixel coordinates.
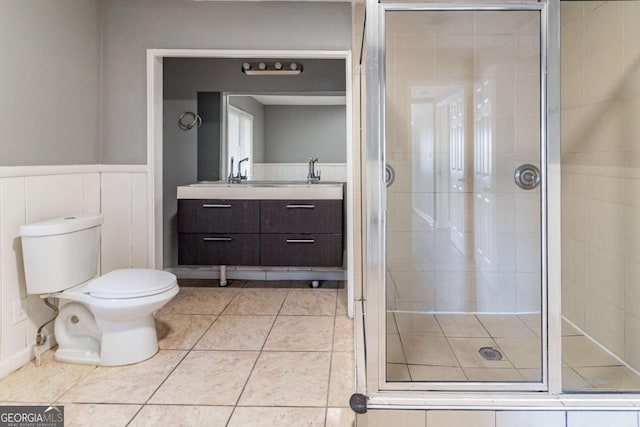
(278, 134)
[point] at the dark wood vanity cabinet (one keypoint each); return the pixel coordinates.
(218, 232)
(297, 233)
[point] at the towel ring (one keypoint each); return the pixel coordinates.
(195, 120)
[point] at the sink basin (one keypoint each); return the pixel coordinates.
(255, 190)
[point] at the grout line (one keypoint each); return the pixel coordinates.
(275, 319)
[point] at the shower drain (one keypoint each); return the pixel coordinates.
(490, 353)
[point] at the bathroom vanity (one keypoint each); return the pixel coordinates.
(270, 224)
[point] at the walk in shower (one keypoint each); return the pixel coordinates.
(464, 167)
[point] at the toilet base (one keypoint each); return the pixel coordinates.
(77, 356)
(124, 343)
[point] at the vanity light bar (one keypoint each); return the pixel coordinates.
(271, 68)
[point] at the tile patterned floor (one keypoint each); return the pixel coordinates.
(444, 347)
(237, 356)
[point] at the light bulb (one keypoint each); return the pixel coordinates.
(278, 66)
(246, 66)
(262, 66)
(293, 66)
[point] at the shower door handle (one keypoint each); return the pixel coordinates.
(389, 175)
(527, 176)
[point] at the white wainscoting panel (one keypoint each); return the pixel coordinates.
(39, 198)
(116, 229)
(12, 216)
(139, 221)
(91, 204)
(68, 193)
(31, 194)
(298, 171)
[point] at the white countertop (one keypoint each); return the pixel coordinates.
(262, 190)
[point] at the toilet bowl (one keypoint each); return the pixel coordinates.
(109, 320)
(106, 320)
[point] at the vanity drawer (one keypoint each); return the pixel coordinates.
(301, 216)
(301, 250)
(218, 216)
(218, 249)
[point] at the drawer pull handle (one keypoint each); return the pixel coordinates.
(215, 206)
(301, 241)
(217, 239)
(300, 206)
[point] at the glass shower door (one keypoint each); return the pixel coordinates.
(462, 133)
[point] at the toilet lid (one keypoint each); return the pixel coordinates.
(131, 283)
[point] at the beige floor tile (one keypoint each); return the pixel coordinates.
(392, 328)
(398, 372)
(207, 378)
(98, 415)
(532, 375)
(467, 353)
(234, 332)
(436, 373)
(342, 381)
(505, 325)
(461, 326)
(124, 384)
(288, 378)
(44, 383)
(200, 301)
(461, 418)
(395, 351)
(341, 305)
(394, 417)
(579, 351)
(492, 374)
(314, 302)
(614, 378)
(340, 417)
(257, 301)
(428, 350)
(533, 322)
(568, 330)
(572, 381)
(181, 331)
(182, 415)
(418, 324)
(301, 333)
(281, 417)
(522, 352)
(343, 339)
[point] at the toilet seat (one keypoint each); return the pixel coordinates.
(130, 283)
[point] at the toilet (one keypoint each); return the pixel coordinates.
(106, 320)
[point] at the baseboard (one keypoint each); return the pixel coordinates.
(248, 273)
(23, 357)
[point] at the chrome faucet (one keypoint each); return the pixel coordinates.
(234, 179)
(312, 176)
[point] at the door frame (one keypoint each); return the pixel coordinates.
(155, 142)
(375, 221)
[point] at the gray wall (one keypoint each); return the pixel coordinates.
(131, 27)
(295, 133)
(256, 109)
(49, 82)
(210, 112)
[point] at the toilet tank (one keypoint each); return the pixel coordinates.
(60, 253)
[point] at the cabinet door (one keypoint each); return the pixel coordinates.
(301, 250)
(218, 216)
(301, 216)
(218, 249)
